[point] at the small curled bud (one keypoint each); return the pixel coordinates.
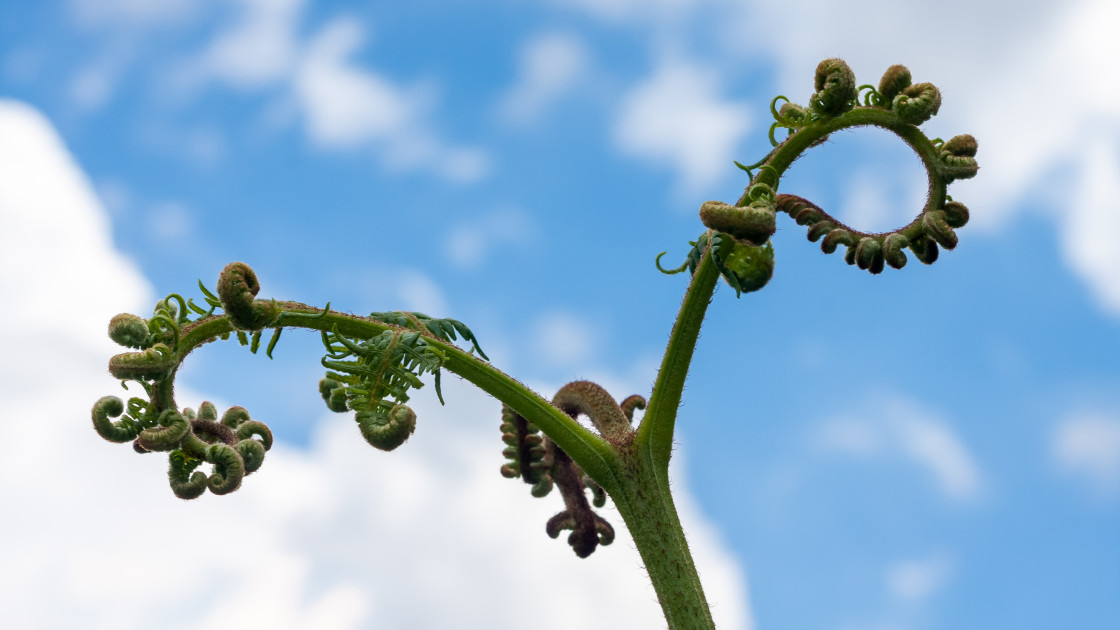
(598, 494)
(837, 237)
(237, 288)
(207, 411)
(151, 364)
(925, 250)
(956, 214)
(792, 112)
(526, 451)
(819, 229)
(835, 84)
(542, 487)
(229, 469)
(253, 428)
(895, 79)
(958, 158)
(753, 225)
(892, 250)
(252, 454)
(184, 484)
(234, 416)
(590, 399)
(937, 228)
(128, 330)
(963, 145)
(334, 394)
(119, 432)
(166, 307)
(917, 103)
(807, 215)
(173, 426)
(588, 532)
(389, 432)
(745, 267)
(630, 403)
(869, 255)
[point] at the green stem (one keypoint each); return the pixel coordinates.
(656, 430)
(647, 507)
(783, 155)
(594, 455)
(634, 475)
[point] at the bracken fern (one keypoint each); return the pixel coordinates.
(375, 361)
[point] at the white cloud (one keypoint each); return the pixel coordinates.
(677, 118)
(419, 293)
(880, 199)
(260, 49)
(336, 535)
(931, 443)
(563, 339)
(900, 428)
(54, 235)
(341, 104)
(549, 66)
(1091, 222)
(346, 106)
(917, 580)
(851, 436)
(170, 221)
(1088, 446)
(469, 244)
(867, 206)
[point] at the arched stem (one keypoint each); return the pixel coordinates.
(590, 451)
(656, 431)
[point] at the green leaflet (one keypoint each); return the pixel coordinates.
(373, 376)
(445, 329)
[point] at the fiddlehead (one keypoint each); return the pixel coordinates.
(539, 462)
(367, 373)
(589, 399)
(744, 267)
(836, 87)
(237, 290)
(124, 430)
(373, 366)
(898, 106)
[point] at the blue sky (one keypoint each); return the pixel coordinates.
(936, 447)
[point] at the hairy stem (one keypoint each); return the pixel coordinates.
(656, 430)
(647, 507)
(635, 476)
(783, 156)
(593, 454)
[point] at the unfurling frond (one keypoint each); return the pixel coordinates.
(539, 462)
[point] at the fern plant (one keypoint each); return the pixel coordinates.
(374, 362)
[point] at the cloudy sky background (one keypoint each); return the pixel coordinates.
(937, 447)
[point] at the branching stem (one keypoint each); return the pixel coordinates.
(375, 360)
